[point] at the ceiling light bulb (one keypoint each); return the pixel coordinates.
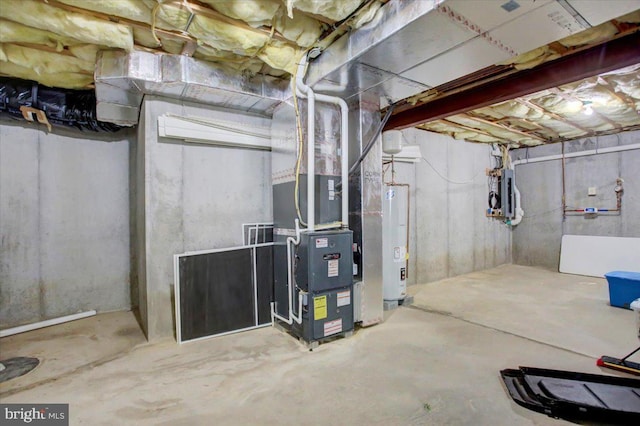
(588, 110)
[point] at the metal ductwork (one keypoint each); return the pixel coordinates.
(122, 79)
(407, 48)
(412, 46)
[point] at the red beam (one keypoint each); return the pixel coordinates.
(609, 56)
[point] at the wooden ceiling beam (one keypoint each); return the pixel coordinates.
(472, 129)
(531, 104)
(569, 97)
(502, 126)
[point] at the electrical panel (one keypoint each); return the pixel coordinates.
(501, 194)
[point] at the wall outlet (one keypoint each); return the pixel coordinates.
(592, 190)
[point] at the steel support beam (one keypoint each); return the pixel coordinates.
(609, 56)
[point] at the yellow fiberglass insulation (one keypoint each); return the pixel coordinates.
(144, 37)
(592, 35)
(3, 56)
(81, 27)
(303, 30)
(212, 54)
(176, 15)
(367, 14)
(336, 10)
(66, 80)
(227, 37)
(281, 56)
(228, 60)
(532, 58)
(255, 12)
(42, 62)
(12, 32)
(627, 84)
(85, 52)
(517, 110)
(130, 9)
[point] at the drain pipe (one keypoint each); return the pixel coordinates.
(519, 211)
(306, 91)
(291, 317)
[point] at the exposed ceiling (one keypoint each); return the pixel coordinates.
(604, 104)
(451, 66)
(55, 42)
(541, 96)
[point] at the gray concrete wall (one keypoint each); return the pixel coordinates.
(196, 197)
(64, 223)
(452, 234)
(536, 241)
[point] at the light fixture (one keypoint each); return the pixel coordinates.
(587, 108)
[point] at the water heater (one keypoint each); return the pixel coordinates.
(394, 241)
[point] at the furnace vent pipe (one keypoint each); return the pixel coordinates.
(306, 91)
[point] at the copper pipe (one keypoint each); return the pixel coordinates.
(564, 202)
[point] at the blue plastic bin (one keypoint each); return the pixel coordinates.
(624, 287)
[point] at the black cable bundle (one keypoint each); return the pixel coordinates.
(63, 107)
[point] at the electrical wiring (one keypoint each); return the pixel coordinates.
(449, 180)
(529, 215)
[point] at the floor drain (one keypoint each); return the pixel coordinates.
(16, 367)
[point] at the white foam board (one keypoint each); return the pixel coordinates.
(595, 256)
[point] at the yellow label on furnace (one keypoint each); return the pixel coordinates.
(319, 307)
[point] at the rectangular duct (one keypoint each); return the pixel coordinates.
(123, 78)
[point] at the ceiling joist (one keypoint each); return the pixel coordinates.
(605, 57)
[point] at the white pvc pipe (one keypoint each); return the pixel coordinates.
(305, 91)
(518, 210)
(311, 161)
(344, 148)
(36, 325)
(291, 317)
(618, 148)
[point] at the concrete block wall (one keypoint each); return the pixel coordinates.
(536, 240)
(190, 197)
(452, 235)
(64, 223)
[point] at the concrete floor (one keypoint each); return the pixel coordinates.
(436, 362)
